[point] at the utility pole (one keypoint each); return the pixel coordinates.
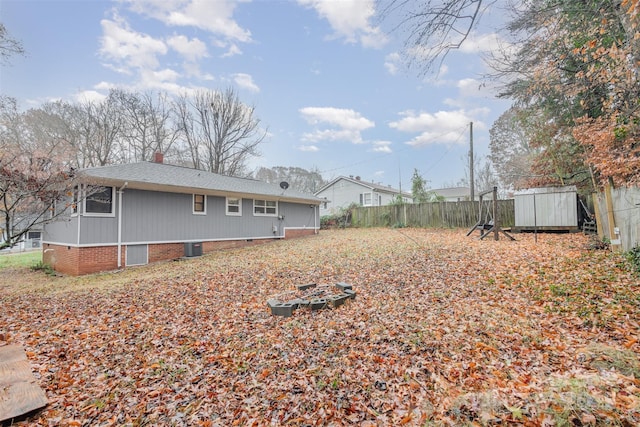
(471, 183)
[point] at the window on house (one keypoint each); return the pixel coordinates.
(365, 199)
(234, 206)
(99, 201)
(265, 207)
(199, 204)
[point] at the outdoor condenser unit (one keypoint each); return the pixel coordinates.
(192, 249)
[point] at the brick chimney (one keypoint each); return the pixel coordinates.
(158, 157)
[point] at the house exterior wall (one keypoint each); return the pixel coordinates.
(76, 260)
(163, 222)
(344, 192)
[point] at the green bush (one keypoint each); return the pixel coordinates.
(46, 268)
(633, 257)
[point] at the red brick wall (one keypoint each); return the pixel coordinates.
(76, 261)
(298, 232)
(61, 258)
(165, 251)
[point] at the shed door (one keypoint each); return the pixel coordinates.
(137, 254)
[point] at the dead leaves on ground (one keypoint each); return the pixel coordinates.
(446, 330)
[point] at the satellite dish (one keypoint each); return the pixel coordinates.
(284, 185)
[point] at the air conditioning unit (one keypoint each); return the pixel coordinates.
(192, 249)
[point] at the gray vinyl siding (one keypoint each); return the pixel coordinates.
(153, 216)
(158, 217)
(98, 229)
(64, 231)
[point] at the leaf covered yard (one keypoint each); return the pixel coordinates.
(445, 330)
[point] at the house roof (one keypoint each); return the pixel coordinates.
(452, 192)
(370, 185)
(178, 179)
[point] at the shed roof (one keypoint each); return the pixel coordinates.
(178, 179)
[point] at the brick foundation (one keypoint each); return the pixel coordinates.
(78, 261)
(298, 232)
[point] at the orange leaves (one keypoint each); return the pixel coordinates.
(445, 330)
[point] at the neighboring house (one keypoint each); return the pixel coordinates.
(144, 212)
(453, 194)
(344, 191)
(31, 239)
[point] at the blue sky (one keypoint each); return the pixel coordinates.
(326, 77)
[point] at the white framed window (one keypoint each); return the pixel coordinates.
(199, 204)
(365, 199)
(99, 201)
(265, 207)
(234, 206)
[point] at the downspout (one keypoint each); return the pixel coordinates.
(80, 191)
(120, 191)
(315, 219)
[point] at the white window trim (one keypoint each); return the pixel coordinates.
(193, 204)
(364, 199)
(265, 208)
(99, 214)
(239, 213)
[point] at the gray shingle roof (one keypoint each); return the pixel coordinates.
(372, 185)
(178, 179)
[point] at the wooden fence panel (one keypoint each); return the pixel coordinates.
(433, 215)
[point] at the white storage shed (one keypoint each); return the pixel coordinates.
(546, 209)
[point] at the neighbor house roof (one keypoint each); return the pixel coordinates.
(178, 179)
(452, 192)
(371, 185)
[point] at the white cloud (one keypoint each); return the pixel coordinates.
(308, 148)
(245, 81)
(382, 146)
(477, 43)
(89, 96)
(391, 63)
(232, 51)
(215, 17)
(192, 50)
(350, 19)
(344, 118)
(344, 124)
(129, 48)
(440, 128)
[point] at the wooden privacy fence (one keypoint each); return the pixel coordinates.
(433, 214)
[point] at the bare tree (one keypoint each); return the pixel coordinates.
(8, 45)
(34, 171)
(306, 181)
(434, 27)
(511, 152)
(220, 132)
(100, 124)
(147, 126)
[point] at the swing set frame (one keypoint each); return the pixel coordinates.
(493, 224)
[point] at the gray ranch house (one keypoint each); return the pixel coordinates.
(134, 214)
(344, 191)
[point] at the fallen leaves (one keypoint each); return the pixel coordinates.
(445, 329)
